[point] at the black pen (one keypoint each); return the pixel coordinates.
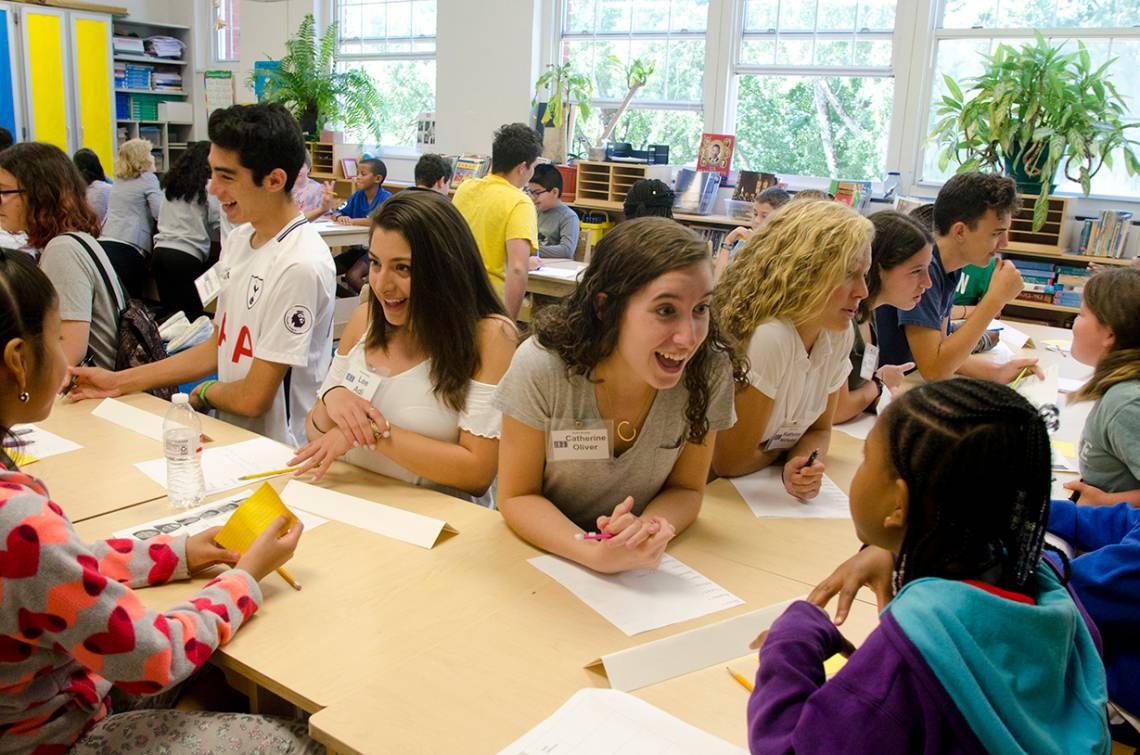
(811, 459)
(87, 362)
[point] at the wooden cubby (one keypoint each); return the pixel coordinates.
(603, 185)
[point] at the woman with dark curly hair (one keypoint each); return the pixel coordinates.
(610, 411)
(187, 228)
(98, 187)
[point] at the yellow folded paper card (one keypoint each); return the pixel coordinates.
(21, 459)
(1065, 448)
(252, 518)
(832, 665)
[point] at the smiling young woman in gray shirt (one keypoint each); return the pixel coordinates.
(610, 410)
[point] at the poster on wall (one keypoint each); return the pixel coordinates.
(263, 71)
(219, 90)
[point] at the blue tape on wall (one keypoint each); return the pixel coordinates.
(7, 105)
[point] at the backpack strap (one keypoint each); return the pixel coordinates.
(102, 272)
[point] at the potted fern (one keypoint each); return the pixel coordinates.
(1032, 112)
(567, 95)
(307, 82)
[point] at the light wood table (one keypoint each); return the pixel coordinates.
(547, 282)
(338, 236)
(101, 477)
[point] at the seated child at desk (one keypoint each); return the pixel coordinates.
(558, 225)
(788, 300)
(79, 647)
(899, 275)
(611, 409)
(983, 649)
(433, 172)
(409, 391)
(370, 194)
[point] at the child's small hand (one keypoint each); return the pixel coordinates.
(1091, 495)
(202, 552)
(803, 481)
(344, 220)
(533, 262)
(871, 567)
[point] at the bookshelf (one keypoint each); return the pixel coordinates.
(326, 167)
(139, 108)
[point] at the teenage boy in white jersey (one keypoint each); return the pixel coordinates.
(272, 339)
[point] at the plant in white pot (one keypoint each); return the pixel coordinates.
(567, 94)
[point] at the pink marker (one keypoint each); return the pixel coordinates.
(593, 536)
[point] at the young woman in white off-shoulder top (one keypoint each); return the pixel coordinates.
(409, 391)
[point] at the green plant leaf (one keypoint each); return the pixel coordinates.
(953, 87)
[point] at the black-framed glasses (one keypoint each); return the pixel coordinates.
(6, 192)
(532, 193)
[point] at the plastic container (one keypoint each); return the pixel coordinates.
(593, 226)
(738, 210)
(182, 447)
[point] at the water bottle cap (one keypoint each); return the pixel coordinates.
(179, 398)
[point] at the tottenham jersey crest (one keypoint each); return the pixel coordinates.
(253, 291)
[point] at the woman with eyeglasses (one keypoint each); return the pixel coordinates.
(77, 646)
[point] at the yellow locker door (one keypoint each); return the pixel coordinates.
(94, 81)
(48, 80)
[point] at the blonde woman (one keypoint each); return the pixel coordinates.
(789, 299)
(132, 211)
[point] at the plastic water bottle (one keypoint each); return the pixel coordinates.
(182, 445)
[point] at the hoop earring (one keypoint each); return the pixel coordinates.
(24, 397)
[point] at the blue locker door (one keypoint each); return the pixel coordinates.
(7, 72)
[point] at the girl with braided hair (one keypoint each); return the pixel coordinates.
(949, 668)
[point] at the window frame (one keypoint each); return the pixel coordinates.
(411, 55)
(216, 14)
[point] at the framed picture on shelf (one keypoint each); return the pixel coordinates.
(716, 153)
(348, 167)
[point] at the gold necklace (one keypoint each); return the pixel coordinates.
(625, 423)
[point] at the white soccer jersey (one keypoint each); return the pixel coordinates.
(276, 305)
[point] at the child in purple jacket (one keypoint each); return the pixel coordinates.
(983, 648)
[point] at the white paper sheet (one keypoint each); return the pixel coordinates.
(40, 443)
(561, 273)
(130, 417)
(860, 427)
(389, 521)
(638, 601)
(201, 518)
(1068, 385)
(686, 652)
(1041, 391)
(608, 722)
(223, 466)
(765, 494)
(1010, 336)
(1001, 353)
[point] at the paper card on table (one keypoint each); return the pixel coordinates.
(35, 440)
(765, 494)
(1009, 335)
(389, 521)
(1001, 353)
(608, 722)
(833, 664)
(252, 518)
(201, 518)
(130, 417)
(19, 458)
(638, 601)
(561, 273)
(686, 652)
(860, 427)
(1068, 385)
(224, 466)
(1040, 391)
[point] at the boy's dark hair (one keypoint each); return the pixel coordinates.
(966, 197)
(265, 136)
(548, 177)
(943, 438)
(451, 292)
(432, 167)
(89, 165)
(648, 197)
(924, 214)
(898, 237)
(774, 196)
(514, 143)
(188, 177)
(376, 167)
(6, 139)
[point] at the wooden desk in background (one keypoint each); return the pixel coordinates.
(557, 278)
(338, 236)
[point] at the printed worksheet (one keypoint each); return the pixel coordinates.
(224, 466)
(765, 494)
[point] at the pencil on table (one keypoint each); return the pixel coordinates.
(289, 578)
(743, 682)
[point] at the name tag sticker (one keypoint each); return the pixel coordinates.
(579, 440)
(209, 284)
(785, 437)
(870, 362)
(363, 383)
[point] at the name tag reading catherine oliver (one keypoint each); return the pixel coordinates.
(579, 440)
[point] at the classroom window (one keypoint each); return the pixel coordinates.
(968, 29)
(815, 87)
(669, 109)
(394, 41)
(226, 35)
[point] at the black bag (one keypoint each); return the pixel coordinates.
(138, 340)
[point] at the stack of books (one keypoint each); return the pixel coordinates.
(469, 166)
(164, 81)
(855, 194)
(124, 45)
(1105, 236)
(1049, 283)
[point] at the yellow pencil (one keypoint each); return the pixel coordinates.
(743, 682)
(289, 578)
(259, 475)
(1020, 376)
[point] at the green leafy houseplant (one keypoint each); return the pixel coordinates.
(637, 73)
(1033, 111)
(562, 87)
(308, 83)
